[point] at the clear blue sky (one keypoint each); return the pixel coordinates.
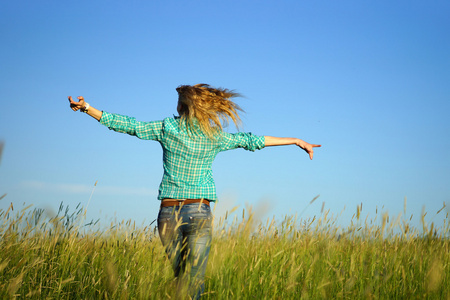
(369, 80)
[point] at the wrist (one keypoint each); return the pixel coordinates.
(85, 108)
(300, 143)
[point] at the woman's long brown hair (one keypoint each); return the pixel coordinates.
(210, 107)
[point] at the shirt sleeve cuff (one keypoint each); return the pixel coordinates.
(106, 119)
(261, 142)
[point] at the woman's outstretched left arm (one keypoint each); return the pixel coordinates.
(280, 141)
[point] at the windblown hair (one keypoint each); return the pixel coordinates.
(211, 108)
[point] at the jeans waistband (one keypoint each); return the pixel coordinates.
(179, 202)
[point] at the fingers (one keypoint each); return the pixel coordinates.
(311, 152)
(80, 98)
(75, 105)
(309, 148)
(71, 101)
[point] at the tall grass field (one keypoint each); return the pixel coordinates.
(60, 257)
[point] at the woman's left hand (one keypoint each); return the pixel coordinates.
(76, 105)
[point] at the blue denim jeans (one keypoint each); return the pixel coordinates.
(186, 233)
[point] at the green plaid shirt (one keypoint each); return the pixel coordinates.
(187, 158)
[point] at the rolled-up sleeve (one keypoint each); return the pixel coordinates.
(245, 140)
(143, 130)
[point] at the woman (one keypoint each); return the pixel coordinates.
(190, 143)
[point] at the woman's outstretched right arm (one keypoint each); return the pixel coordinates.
(83, 106)
(280, 141)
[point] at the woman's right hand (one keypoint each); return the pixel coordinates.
(309, 148)
(77, 105)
